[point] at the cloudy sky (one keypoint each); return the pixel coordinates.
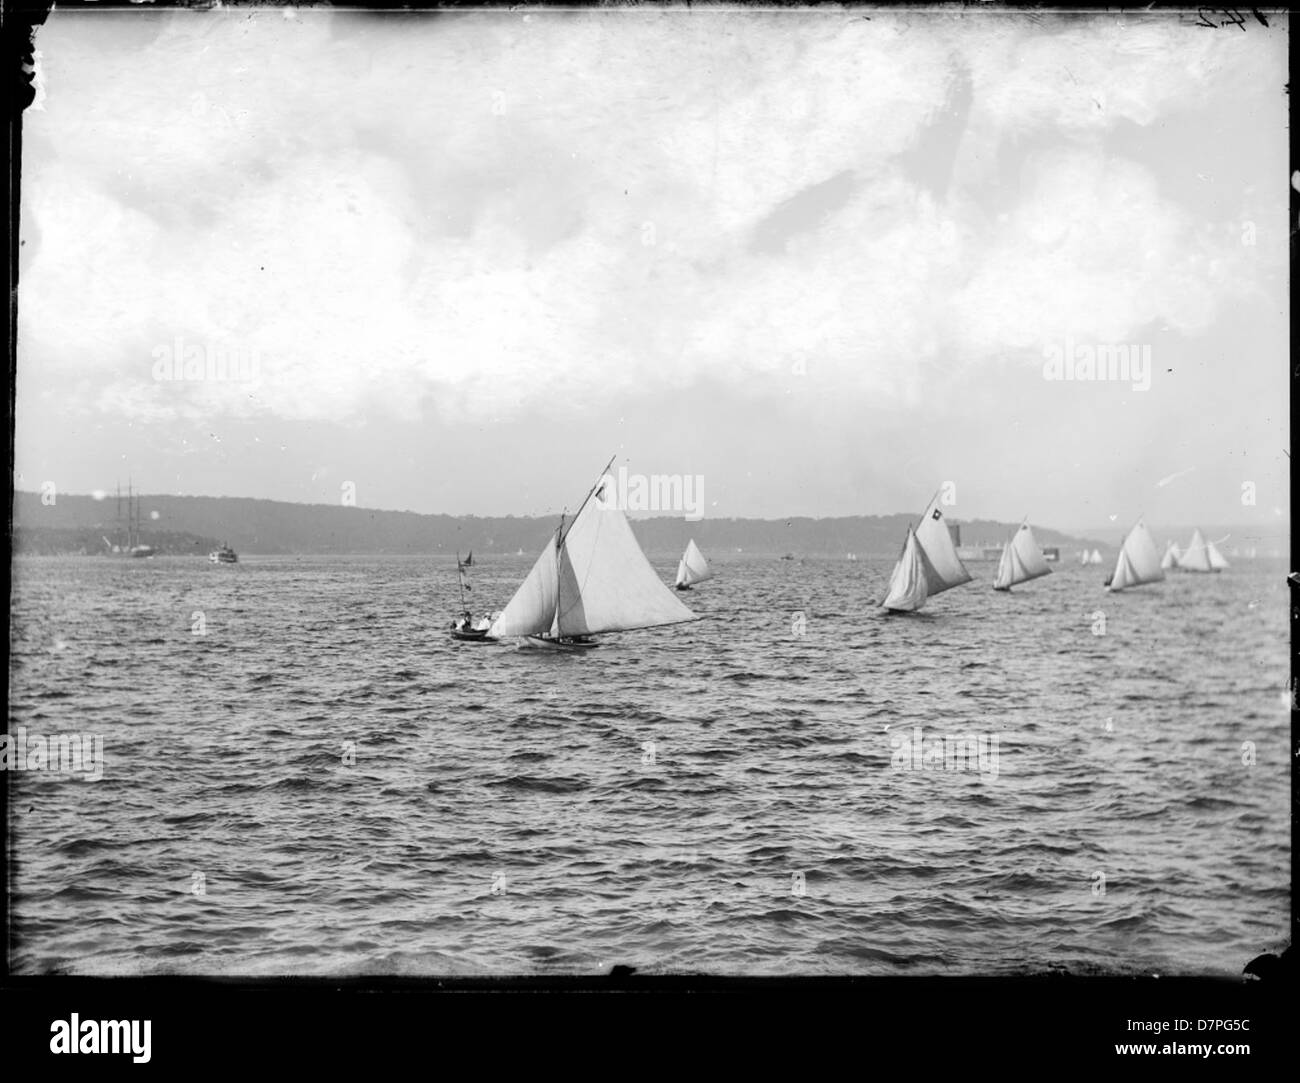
(817, 258)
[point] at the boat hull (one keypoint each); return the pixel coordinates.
(546, 643)
(471, 637)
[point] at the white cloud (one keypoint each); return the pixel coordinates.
(351, 206)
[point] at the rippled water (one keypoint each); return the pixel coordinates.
(501, 816)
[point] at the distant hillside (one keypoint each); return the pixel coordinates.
(184, 524)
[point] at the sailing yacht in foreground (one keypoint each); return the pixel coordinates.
(1022, 560)
(1201, 556)
(1139, 561)
(591, 578)
(928, 565)
(693, 568)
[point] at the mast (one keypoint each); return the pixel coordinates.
(584, 500)
(460, 582)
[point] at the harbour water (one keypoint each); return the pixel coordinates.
(302, 774)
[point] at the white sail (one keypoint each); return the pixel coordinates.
(693, 567)
(1022, 560)
(943, 567)
(1139, 560)
(1197, 556)
(1096, 557)
(907, 584)
(1002, 580)
(532, 609)
(605, 582)
(1171, 557)
(1217, 563)
(1083, 558)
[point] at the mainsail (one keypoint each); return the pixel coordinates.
(929, 554)
(1139, 560)
(693, 567)
(943, 567)
(606, 583)
(589, 579)
(1171, 557)
(1201, 556)
(1022, 560)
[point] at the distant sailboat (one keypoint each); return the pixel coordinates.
(1201, 556)
(129, 543)
(468, 562)
(1022, 560)
(928, 565)
(589, 579)
(693, 568)
(1083, 559)
(1139, 561)
(1095, 558)
(1171, 557)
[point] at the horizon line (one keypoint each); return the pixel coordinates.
(644, 516)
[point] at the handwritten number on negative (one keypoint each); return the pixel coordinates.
(1233, 18)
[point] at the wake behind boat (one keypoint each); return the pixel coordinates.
(591, 578)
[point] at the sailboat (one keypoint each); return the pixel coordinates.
(1171, 557)
(469, 560)
(128, 542)
(1201, 556)
(928, 564)
(1095, 557)
(1083, 559)
(590, 579)
(465, 627)
(693, 568)
(1022, 560)
(1139, 561)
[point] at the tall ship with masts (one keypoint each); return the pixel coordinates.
(128, 542)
